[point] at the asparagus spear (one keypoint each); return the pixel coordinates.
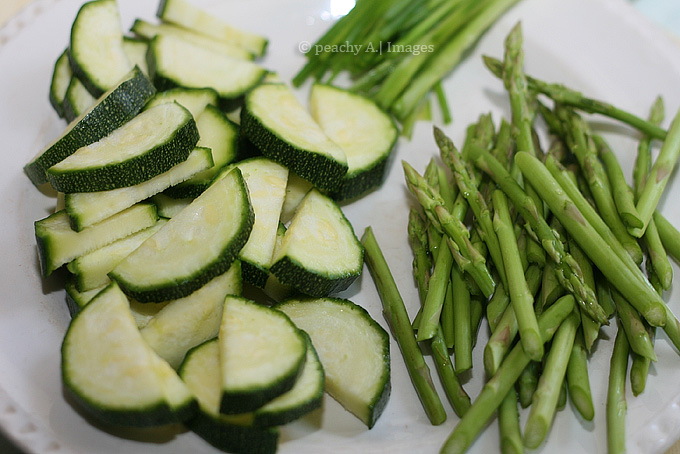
(627, 279)
(566, 269)
(616, 396)
(670, 236)
(591, 328)
(521, 297)
(564, 95)
(550, 384)
(495, 390)
(468, 188)
(462, 345)
(578, 380)
(508, 425)
(624, 197)
(659, 175)
(397, 318)
(528, 382)
(636, 332)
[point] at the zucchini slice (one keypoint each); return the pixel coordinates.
(114, 374)
(354, 351)
(266, 182)
(169, 207)
(275, 122)
(136, 50)
(187, 322)
(230, 433)
(183, 13)
(146, 146)
(320, 253)
(296, 190)
(59, 244)
(199, 243)
(195, 100)
(305, 396)
(77, 99)
(261, 354)
(219, 134)
(61, 77)
(148, 30)
(96, 49)
(364, 132)
(174, 62)
(112, 110)
(273, 288)
(91, 269)
(87, 208)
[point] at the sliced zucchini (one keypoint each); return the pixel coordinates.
(273, 288)
(148, 30)
(261, 354)
(169, 207)
(266, 182)
(199, 243)
(112, 110)
(305, 396)
(220, 135)
(58, 243)
(274, 121)
(320, 253)
(91, 269)
(187, 322)
(136, 50)
(77, 99)
(114, 374)
(185, 14)
(61, 77)
(194, 99)
(364, 132)
(146, 146)
(354, 351)
(174, 62)
(230, 433)
(87, 208)
(96, 49)
(142, 313)
(296, 190)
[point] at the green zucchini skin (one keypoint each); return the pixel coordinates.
(130, 172)
(324, 172)
(187, 284)
(293, 273)
(234, 438)
(113, 110)
(61, 75)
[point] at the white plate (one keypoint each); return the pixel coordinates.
(602, 47)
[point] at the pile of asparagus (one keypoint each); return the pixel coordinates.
(397, 51)
(549, 244)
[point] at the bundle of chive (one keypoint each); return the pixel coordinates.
(554, 248)
(398, 51)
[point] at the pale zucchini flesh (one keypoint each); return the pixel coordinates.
(59, 244)
(187, 322)
(185, 14)
(296, 190)
(281, 128)
(219, 134)
(112, 110)
(196, 245)
(136, 50)
(61, 77)
(149, 30)
(177, 63)
(353, 349)
(77, 99)
(148, 145)
(109, 369)
(96, 49)
(365, 133)
(231, 433)
(320, 253)
(261, 355)
(88, 208)
(169, 207)
(91, 269)
(266, 181)
(195, 100)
